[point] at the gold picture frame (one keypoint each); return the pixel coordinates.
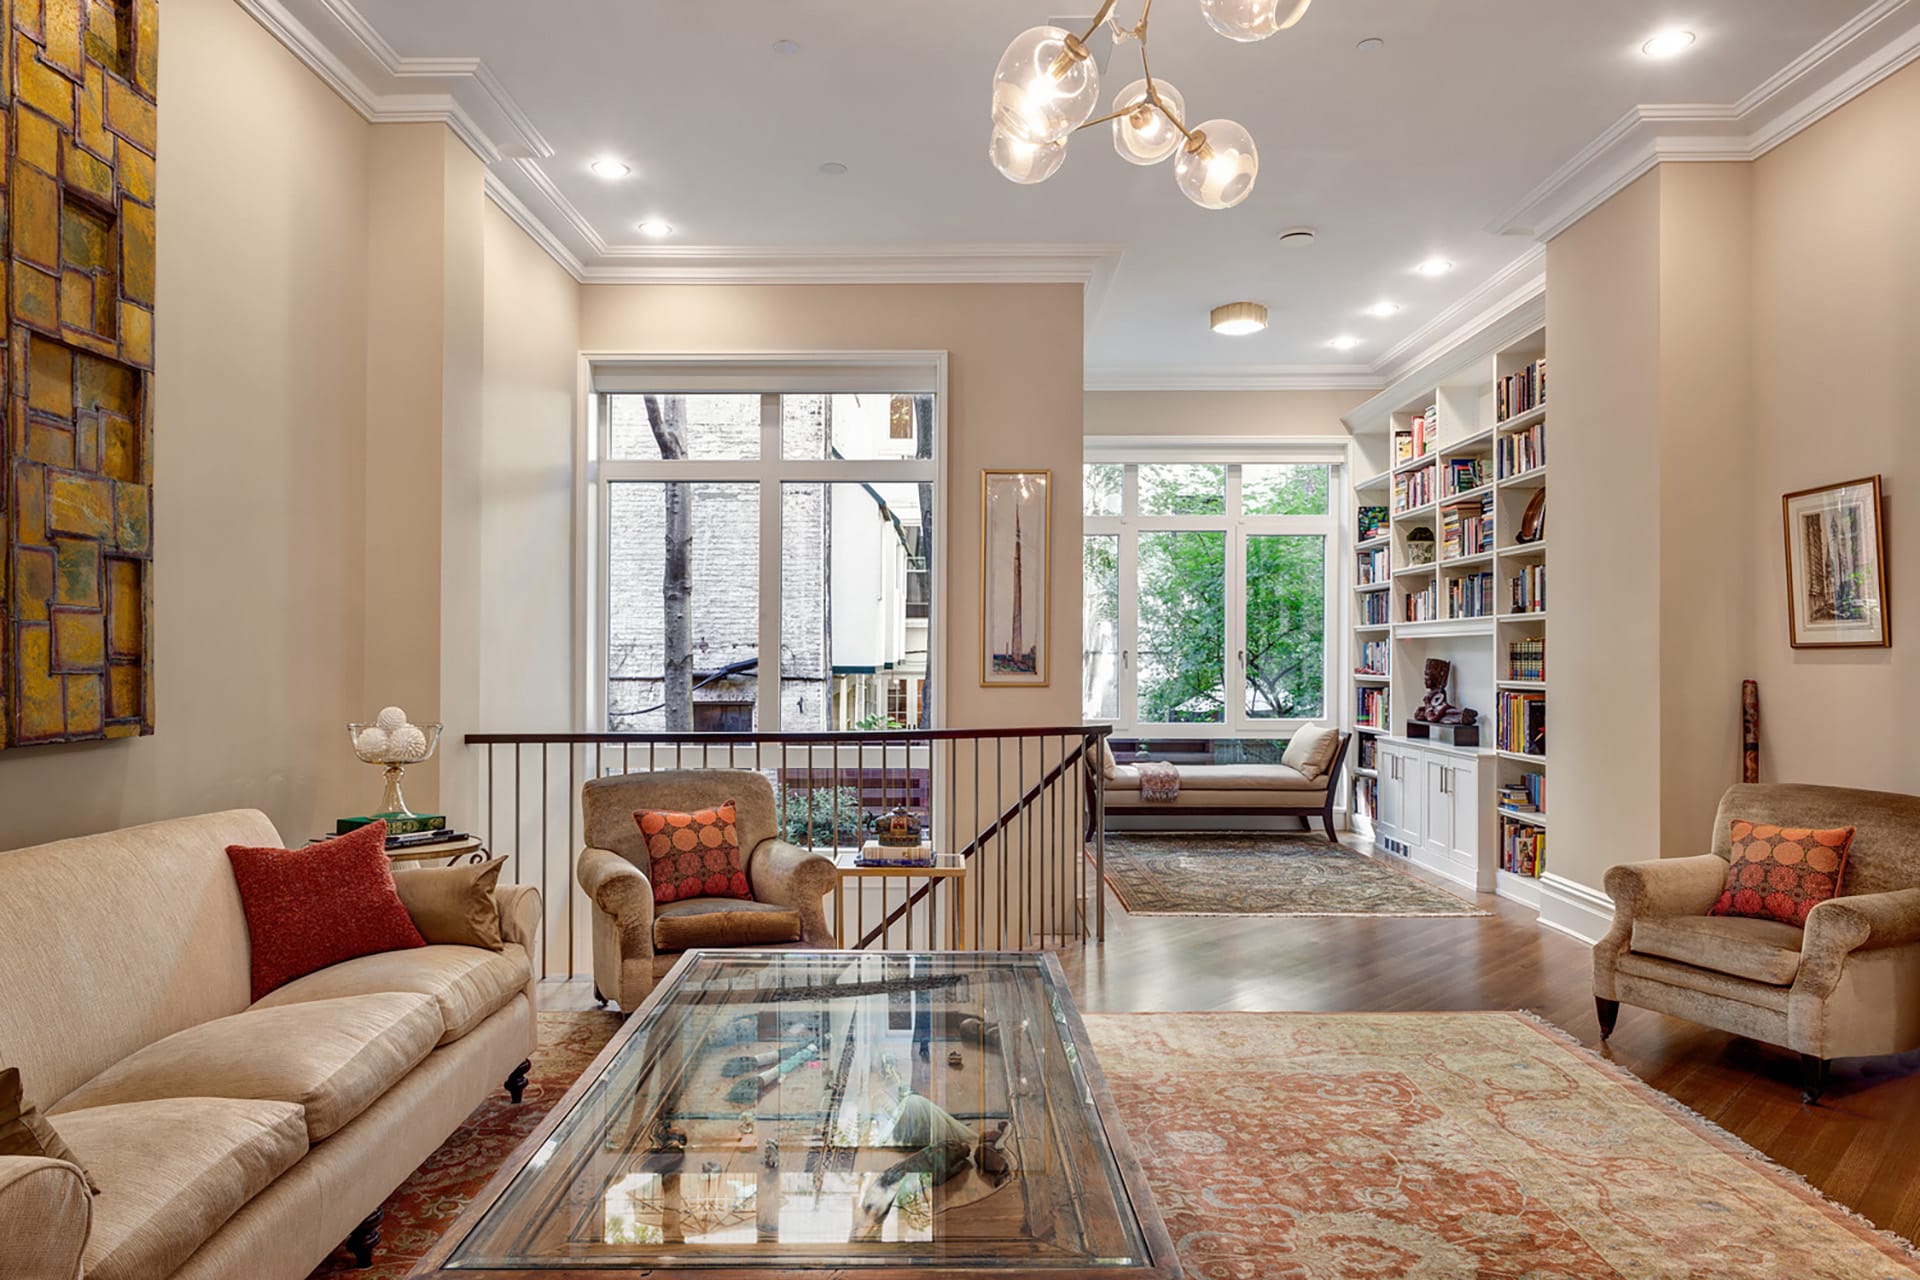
(1016, 623)
(1836, 545)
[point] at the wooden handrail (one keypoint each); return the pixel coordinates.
(905, 737)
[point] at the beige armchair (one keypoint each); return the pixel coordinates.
(1848, 985)
(635, 942)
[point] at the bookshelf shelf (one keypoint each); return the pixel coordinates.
(1465, 432)
(1372, 586)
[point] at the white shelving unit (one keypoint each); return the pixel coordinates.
(1457, 465)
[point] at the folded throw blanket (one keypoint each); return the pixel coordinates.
(1159, 782)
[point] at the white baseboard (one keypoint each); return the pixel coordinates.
(1574, 909)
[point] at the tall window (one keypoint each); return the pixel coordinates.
(766, 558)
(1207, 595)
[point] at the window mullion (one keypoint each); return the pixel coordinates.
(767, 671)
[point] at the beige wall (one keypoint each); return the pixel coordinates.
(1836, 297)
(1014, 402)
(1219, 413)
(1603, 623)
(258, 453)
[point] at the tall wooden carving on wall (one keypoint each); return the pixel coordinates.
(76, 648)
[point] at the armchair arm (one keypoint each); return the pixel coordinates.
(1644, 890)
(46, 1214)
(519, 908)
(617, 887)
(1839, 927)
(797, 879)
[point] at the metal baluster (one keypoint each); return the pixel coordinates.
(1026, 831)
(1100, 850)
(999, 850)
(493, 844)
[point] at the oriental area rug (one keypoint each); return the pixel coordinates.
(1223, 874)
(1310, 1146)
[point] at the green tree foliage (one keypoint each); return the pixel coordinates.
(1182, 600)
(823, 816)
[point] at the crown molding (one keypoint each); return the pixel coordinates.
(852, 264)
(1268, 377)
(1503, 294)
(1875, 44)
(509, 204)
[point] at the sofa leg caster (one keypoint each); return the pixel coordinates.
(363, 1239)
(517, 1082)
(1813, 1078)
(598, 998)
(1608, 1012)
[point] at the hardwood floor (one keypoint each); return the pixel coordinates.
(1856, 1146)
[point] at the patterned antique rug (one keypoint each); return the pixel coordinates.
(1311, 1146)
(1207, 873)
(1300, 1146)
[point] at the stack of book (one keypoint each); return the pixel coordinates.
(1414, 489)
(1464, 475)
(1416, 440)
(1370, 707)
(1520, 720)
(1373, 522)
(875, 854)
(1471, 596)
(1373, 609)
(1366, 797)
(1527, 658)
(1467, 530)
(1374, 657)
(1527, 590)
(1369, 751)
(1525, 794)
(1523, 849)
(405, 831)
(1420, 605)
(1523, 451)
(1372, 566)
(1520, 392)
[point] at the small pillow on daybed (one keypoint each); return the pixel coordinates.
(1311, 749)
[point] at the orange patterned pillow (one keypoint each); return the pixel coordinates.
(1782, 873)
(694, 855)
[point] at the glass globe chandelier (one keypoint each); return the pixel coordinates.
(1047, 88)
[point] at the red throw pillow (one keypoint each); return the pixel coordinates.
(1782, 873)
(313, 907)
(694, 855)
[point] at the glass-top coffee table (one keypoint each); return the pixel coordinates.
(791, 1112)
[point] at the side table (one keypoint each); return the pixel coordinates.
(472, 849)
(948, 868)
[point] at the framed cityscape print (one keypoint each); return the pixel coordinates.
(1015, 514)
(1837, 567)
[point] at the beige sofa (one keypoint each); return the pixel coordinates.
(228, 1139)
(635, 942)
(1232, 790)
(1848, 985)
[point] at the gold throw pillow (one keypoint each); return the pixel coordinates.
(25, 1132)
(453, 905)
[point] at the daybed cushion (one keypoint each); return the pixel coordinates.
(468, 983)
(175, 1169)
(1761, 950)
(722, 922)
(331, 1057)
(1311, 749)
(1226, 777)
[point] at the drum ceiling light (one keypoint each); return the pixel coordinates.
(1047, 87)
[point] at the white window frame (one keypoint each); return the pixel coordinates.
(768, 374)
(1238, 528)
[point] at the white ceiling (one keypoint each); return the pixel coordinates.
(1421, 148)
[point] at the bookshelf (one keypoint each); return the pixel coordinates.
(1455, 567)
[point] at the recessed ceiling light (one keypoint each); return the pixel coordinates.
(1434, 267)
(656, 229)
(785, 46)
(833, 168)
(1297, 237)
(1372, 44)
(1238, 319)
(1381, 310)
(1668, 44)
(611, 170)
(1345, 342)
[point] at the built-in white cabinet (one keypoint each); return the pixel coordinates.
(1432, 799)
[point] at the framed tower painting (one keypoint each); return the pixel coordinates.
(1015, 638)
(76, 636)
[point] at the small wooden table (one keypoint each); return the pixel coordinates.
(471, 849)
(948, 867)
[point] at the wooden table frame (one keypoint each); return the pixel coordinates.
(946, 867)
(1161, 1263)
